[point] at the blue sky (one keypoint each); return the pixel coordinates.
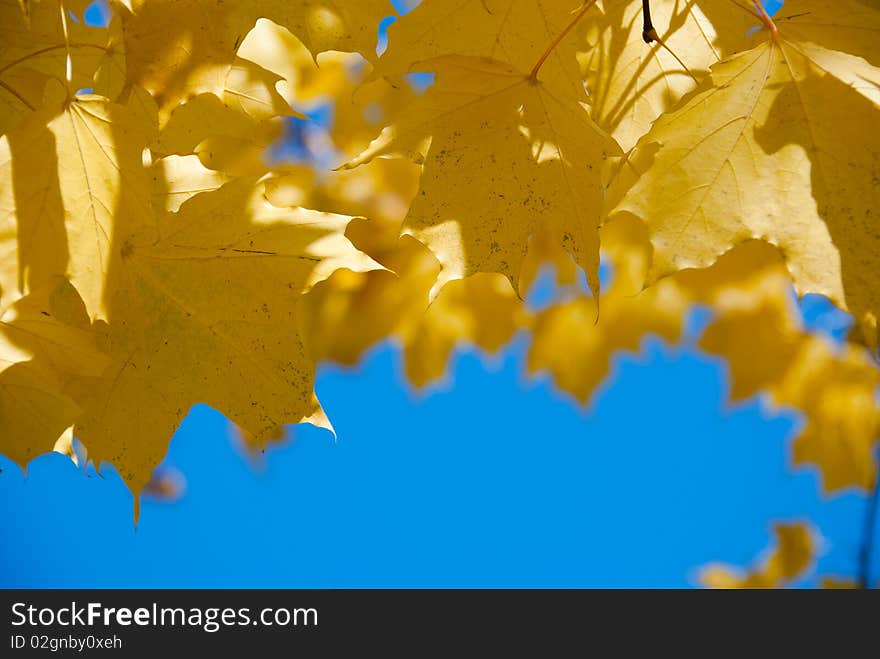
(489, 480)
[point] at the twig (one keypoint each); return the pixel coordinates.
(649, 34)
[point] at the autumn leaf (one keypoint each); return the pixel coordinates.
(46, 338)
(507, 157)
(849, 26)
(192, 50)
(481, 311)
(632, 83)
(203, 308)
(179, 178)
(793, 554)
(628, 316)
(350, 312)
(834, 388)
(71, 175)
(35, 47)
(223, 139)
(759, 331)
(514, 32)
(760, 152)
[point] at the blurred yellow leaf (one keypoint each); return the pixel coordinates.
(792, 555)
(191, 49)
(760, 335)
(575, 341)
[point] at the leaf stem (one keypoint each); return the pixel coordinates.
(533, 76)
(765, 17)
(751, 12)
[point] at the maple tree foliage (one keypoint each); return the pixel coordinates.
(154, 257)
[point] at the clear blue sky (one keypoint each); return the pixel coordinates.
(493, 480)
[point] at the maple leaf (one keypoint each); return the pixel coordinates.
(223, 138)
(758, 330)
(35, 46)
(71, 174)
(349, 312)
(192, 50)
(46, 338)
(80, 205)
(849, 25)
(791, 557)
(481, 311)
(631, 83)
(515, 32)
(203, 308)
(749, 293)
(834, 388)
(508, 157)
(628, 315)
(760, 152)
(179, 178)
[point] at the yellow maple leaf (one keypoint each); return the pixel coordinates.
(46, 338)
(179, 178)
(848, 25)
(349, 312)
(482, 310)
(632, 83)
(35, 46)
(360, 104)
(792, 555)
(191, 49)
(73, 166)
(760, 152)
(758, 330)
(224, 139)
(628, 315)
(203, 308)
(515, 32)
(505, 157)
